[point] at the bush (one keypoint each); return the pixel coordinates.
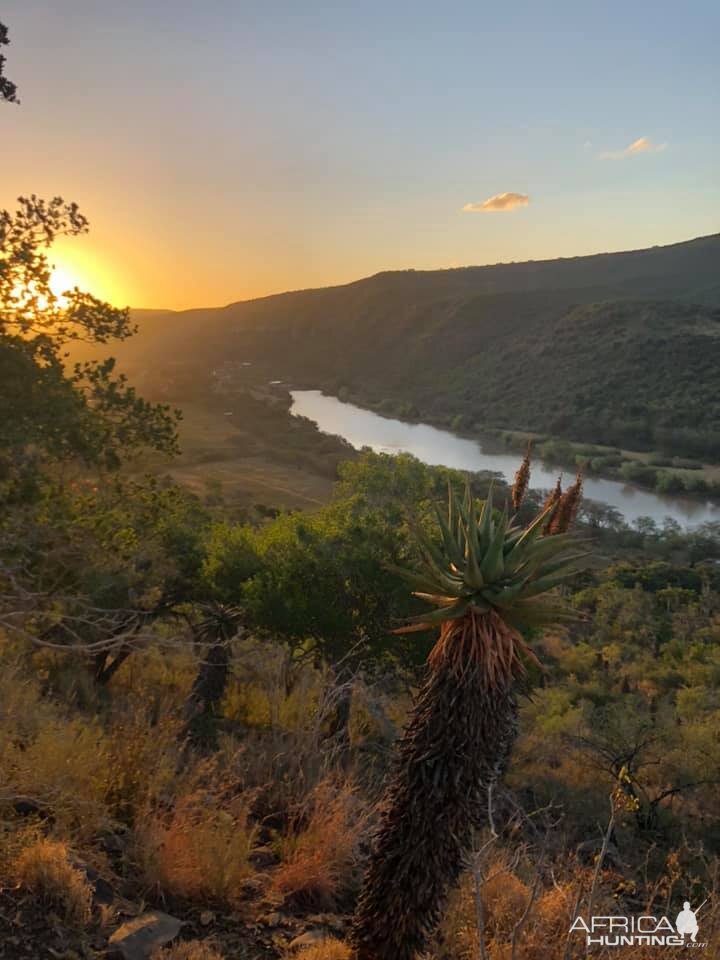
(669, 482)
(45, 870)
(557, 451)
(606, 462)
(695, 484)
(635, 472)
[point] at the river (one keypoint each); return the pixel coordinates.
(363, 428)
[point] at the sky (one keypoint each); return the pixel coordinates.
(227, 149)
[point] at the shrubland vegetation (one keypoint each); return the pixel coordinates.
(253, 803)
(200, 703)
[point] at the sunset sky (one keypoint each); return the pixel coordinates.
(226, 149)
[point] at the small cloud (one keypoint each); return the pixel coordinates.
(641, 145)
(500, 202)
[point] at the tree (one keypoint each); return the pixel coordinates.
(8, 90)
(318, 582)
(213, 634)
(49, 409)
(489, 581)
(90, 567)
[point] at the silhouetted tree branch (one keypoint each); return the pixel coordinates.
(8, 90)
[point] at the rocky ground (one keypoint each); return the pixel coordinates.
(122, 930)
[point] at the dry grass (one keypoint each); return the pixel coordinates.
(197, 852)
(45, 870)
(189, 950)
(57, 762)
(85, 772)
(458, 937)
(553, 912)
(143, 761)
(197, 843)
(257, 696)
(319, 851)
(325, 950)
(504, 899)
(189, 830)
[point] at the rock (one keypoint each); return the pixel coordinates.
(103, 893)
(138, 938)
(308, 939)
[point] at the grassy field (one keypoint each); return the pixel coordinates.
(237, 460)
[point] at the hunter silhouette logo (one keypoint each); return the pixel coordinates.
(686, 922)
(649, 931)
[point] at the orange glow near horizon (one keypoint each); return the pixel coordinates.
(74, 265)
(238, 150)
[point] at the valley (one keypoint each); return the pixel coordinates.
(609, 363)
(620, 350)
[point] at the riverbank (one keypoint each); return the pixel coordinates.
(650, 470)
(481, 451)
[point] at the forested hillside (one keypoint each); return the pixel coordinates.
(616, 348)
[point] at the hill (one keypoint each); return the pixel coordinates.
(617, 348)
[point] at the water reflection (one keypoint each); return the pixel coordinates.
(363, 428)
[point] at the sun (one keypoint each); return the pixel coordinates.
(83, 268)
(63, 280)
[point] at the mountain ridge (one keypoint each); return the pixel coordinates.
(419, 271)
(444, 344)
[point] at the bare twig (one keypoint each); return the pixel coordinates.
(600, 861)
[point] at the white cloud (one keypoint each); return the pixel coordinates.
(500, 202)
(641, 145)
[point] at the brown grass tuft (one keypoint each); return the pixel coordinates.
(197, 850)
(45, 870)
(325, 950)
(189, 950)
(318, 852)
(553, 912)
(505, 897)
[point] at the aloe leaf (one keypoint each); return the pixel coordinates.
(438, 599)
(485, 526)
(532, 531)
(493, 564)
(451, 612)
(506, 597)
(454, 552)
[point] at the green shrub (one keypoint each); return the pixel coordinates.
(635, 472)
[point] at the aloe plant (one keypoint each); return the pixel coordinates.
(488, 580)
